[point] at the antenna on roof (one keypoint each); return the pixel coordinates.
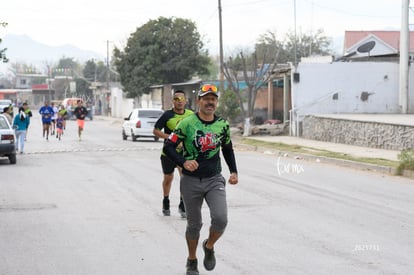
(366, 47)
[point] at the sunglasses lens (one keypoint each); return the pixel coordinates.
(179, 98)
(206, 88)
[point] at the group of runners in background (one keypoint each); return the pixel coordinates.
(54, 119)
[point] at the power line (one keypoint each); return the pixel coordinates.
(209, 18)
(253, 2)
(347, 12)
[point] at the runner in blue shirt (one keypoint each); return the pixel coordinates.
(47, 113)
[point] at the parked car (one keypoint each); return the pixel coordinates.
(140, 123)
(5, 103)
(7, 140)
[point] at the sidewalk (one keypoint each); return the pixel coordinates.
(349, 150)
(356, 151)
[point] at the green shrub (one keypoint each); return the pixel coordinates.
(406, 158)
(229, 106)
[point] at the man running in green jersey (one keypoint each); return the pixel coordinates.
(202, 135)
(168, 121)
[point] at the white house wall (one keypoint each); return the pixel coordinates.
(151, 100)
(318, 83)
(120, 106)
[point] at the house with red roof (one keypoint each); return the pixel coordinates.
(365, 81)
(380, 45)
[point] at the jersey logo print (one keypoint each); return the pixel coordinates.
(206, 142)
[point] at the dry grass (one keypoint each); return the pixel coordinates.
(316, 152)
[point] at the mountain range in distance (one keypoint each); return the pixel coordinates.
(23, 49)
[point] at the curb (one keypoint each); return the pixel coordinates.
(307, 157)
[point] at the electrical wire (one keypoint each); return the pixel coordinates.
(342, 11)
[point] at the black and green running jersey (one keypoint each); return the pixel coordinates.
(202, 141)
(63, 112)
(169, 120)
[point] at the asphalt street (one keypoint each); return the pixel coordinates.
(94, 207)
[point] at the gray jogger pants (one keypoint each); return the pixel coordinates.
(194, 190)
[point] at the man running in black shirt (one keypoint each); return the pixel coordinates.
(80, 113)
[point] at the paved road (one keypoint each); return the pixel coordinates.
(93, 207)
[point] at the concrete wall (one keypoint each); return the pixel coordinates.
(151, 100)
(361, 133)
(346, 87)
(120, 106)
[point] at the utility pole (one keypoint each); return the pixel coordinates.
(107, 65)
(221, 88)
(404, 49)
(108, 92)
(295, 42)
(50, 82)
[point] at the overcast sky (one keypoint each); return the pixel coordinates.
(88, 24)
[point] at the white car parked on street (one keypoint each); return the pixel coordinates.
(5, 103)
(7, 140)
(140, 123)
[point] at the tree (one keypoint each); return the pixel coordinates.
(67, 67)
(95, 71)
(255, 69)
(82, 89)
(23, 68)
(267, 44)
(3, 57)
(65, 70)
(166, 50)
(254, 73)
(90, 71)
(316, 43)
(213, 69)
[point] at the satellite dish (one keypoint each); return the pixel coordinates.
(366, 47)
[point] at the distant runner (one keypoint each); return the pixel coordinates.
(47, 113)
(80, 113)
